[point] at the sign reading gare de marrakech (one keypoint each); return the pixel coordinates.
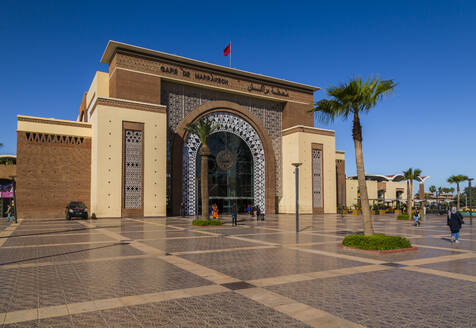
(128, 152)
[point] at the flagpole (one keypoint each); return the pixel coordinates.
(230, 53)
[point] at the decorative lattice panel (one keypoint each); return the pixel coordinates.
(183, 99)
(34, 137)
(133, 169)
(317, 178)
(227, 123)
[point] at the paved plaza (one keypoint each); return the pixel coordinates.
(161, 272)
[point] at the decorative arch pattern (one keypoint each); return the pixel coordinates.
(231, 123)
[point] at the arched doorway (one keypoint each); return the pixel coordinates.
(230, 173)
(234, 135)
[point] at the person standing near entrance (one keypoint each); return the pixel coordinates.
(249, 209)
(215, 211)
(234, 215)
(455, 220)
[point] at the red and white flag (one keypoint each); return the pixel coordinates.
(227, 50)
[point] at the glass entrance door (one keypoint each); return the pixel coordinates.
(230, 173)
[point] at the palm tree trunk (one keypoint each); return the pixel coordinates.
(409, 200)
(457, 193)
(205, 153)
(364, 198)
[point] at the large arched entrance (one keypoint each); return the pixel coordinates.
(230, 173)
(236, 167)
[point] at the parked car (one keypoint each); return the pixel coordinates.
(76, 209)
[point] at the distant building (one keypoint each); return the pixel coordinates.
(381, 189)
(444, 196)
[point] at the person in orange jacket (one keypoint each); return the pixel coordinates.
(215, 211)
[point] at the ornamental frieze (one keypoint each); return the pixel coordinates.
(182, 72)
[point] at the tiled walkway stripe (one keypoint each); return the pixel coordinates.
(299, 311)
(103, 304)
(7, 232)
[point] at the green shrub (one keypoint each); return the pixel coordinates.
(200, 222)
(402, 217)
(376, 242)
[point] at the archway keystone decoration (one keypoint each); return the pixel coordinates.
(226, 122)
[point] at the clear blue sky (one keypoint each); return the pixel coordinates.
(51, 50)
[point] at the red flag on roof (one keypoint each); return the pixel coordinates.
(227, 50)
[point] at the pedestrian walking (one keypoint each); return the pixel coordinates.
(234, 215)
(258, 213)
(455, 220)
(182, 209)
(249, 209)
(10, 213)
(416, 217)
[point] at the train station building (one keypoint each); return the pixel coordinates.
(128, 153)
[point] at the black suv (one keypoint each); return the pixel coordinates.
(77, 209)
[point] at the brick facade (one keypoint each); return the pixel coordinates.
(52, 170)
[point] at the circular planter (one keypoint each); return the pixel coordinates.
(381, 252)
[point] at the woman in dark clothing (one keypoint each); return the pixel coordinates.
(455, 220)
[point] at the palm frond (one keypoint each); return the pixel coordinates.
(202, 129)
(329, 110)
(457, 178)
(408, 174)
(416, 173)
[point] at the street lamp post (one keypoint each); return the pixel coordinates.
(470, 203)
(296, 172)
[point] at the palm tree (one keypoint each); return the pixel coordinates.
(457, 179)
(432, 189)
(410, 175)
(349, 100)
(202, 129)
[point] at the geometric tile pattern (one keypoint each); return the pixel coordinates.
(219, 310)
(225, 122)
(390, 298)
(258, 274)
(265, 263)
